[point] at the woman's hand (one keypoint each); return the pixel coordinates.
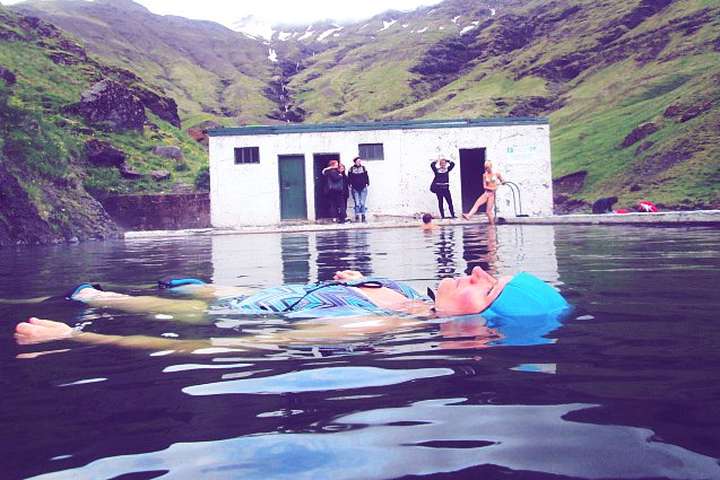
(36, 330)
(348, 275)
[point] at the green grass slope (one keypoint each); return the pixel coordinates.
(599, 70)
(45, 176)
(630, 87)
(212, 72)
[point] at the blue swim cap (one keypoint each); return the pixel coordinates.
(526, 310)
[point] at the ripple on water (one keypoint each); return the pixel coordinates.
(320, 379)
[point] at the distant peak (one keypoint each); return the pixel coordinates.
(254, 27)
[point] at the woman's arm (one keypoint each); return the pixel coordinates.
(36, 331)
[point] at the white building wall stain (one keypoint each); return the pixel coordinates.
(249, 194)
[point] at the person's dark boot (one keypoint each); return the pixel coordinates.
(357, 218)
(363, 218)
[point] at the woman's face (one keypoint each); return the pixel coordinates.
(357, 162)
(464, 295)
(442, 163)
(488, 167)
(341, 168)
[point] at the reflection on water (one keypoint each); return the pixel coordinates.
(319, 380)
(444, 435)
(267, 260)
(625, 388)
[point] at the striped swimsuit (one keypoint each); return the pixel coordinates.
(332, 299)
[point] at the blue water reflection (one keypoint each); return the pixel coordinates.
(318, 380)
(427, 437)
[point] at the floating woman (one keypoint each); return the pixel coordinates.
(349, 307)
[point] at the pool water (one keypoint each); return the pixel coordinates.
(626, 387)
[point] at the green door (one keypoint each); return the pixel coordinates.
(291, 171)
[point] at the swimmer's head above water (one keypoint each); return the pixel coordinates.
(467, 294)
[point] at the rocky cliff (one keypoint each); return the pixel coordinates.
(72, 130)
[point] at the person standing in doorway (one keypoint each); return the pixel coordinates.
(491, 180)
(441, 184)
(359, 182)
(334, 184)
(345, 193)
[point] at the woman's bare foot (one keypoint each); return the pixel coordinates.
(36, 330)
(466, 216)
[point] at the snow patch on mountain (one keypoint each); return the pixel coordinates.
(308, 33)
(327, 33)
(472, 26)
(387, 25)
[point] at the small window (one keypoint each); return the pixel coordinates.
(371, 151)
(247, 155)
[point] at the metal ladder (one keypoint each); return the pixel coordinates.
(517, 200)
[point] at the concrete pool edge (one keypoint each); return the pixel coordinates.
(679, 218)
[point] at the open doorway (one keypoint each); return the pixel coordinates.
(320, 161)
(472, 166)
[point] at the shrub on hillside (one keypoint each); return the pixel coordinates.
(202, 181)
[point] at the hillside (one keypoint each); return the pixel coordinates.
(71, 127)
(632, 88)
(212, 72)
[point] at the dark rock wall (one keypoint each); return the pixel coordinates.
(159, 212)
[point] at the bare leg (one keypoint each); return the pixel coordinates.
(478, 203)
(490, 209)
(187, 310)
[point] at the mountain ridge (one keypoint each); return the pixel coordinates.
(631, 88)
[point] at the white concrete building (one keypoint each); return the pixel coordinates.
(262, 175)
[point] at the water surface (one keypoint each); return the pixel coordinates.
(626, 387)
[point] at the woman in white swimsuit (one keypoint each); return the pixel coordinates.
(491, 180)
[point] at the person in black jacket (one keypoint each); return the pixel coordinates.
(441, 184)
(335, 183)
(345, 193)
(359, 181)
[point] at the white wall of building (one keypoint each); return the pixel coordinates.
(248, 194)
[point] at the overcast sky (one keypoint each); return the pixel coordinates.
(276, 11)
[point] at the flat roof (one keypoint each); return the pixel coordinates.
(384, 125)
